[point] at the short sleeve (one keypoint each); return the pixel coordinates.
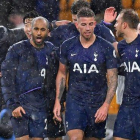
(111, 60)
(63, 53)
(107, 34)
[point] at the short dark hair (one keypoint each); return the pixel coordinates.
(131, 17)
(78, 4)
(31, 14)
(85, 12)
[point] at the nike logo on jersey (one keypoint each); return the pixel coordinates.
(122, 54)
(73, 54)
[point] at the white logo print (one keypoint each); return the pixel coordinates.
(114, 53)
(46, 60)
(73, 54)
(131, 66)
(122, 54)
(60, 129)
(136, 52)
(95, 55)
(66, 124)
(43, 73)
(84, 69)
(46, 124)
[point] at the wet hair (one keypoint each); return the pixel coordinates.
(42, 18)
(31, 14)
(131, 17)
(85, 12)
(78, 4)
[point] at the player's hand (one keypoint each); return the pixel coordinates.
(18, 112)
(101, 113)
(0, 74)
(56, 111)
(62, 22)
(110, 15)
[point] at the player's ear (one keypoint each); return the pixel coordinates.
(76, 24)
(125, 25)
(95, 22)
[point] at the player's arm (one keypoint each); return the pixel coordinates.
(109, 16)
(60, 23)
(112, 84)
(60, 86)
(115, 44)
(9, 71)
(3, 44)
(108, 35)
(54, 24)
(102, 112)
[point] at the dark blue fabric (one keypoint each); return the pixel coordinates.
(64, 32)
(88, 68)
(22, 72)
(130, 58)
(6, 130)
(48, 9)
(32, 123)
(82, 117)
(127, 123)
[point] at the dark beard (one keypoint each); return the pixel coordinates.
(87, 39)
(38, 45)
(121, 35)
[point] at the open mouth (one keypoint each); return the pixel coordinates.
(87, 33)
(38, 39)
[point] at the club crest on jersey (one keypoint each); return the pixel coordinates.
(84, 69)
(95, 56)
(137, 51)
(66, 124)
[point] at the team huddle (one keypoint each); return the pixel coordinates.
(38, 61)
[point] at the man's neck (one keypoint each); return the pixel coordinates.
(87, 43)
(36, 46)
(131, 36)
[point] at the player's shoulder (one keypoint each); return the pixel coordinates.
(21, 45)
(100, 27)
(49, 46)
(102, 41)
(122, 43)
(103, 44)
(105, 32)
(63, 29)
(67, 26)
(70, 41)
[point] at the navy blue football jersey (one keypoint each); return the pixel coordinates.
(130, 58)
(88, 68)
(64, 32)
(23, 74)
